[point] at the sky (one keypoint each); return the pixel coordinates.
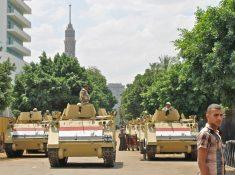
(119, 37)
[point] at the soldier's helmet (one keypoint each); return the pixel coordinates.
(35, 109)
(168, 103)
(144, 113)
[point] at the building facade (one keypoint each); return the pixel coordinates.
(117, 90)
(12, 34)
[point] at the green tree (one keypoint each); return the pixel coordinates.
(51, 84)
(132, 104)
(205, 74)
(176, 86)
(5, 84)
(209, 50)
(100, 95)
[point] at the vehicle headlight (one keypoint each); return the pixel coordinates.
(107, 138)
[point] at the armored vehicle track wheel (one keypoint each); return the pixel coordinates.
(11, 153)
(150, 152)
(150, 156)
(109, 157)
(141, 147)
(45, 149)
(54, 158)
(191, 156)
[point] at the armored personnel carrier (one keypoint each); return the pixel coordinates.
(107, 120)
(80, 133)
(166, 134)
(27, 133)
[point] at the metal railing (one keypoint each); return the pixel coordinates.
(19, 18)
(229, 153)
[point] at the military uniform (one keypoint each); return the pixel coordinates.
(122, 137)
(47, 116)
(84, 96)
(167, 110)
(211, 140)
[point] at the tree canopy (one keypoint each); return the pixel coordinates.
(5, 84)
(209, 50)
(52, 83)
(204, 72)
(132, 102)
(101, 96)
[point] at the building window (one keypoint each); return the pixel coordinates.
(9, 25)
(9, 40)
(1, 46)
(14, 53)
(10, 8)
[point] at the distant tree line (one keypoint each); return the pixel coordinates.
(202, 73)
(51, 84)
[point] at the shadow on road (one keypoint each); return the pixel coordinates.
(172, 159)
(33, 156)
(72, 165)
(23, 157)
(169, 159)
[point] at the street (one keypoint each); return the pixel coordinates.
(128, 163)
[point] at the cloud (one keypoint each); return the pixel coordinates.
(44, 38)
(120, 39)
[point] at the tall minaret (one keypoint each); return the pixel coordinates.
(69, 42)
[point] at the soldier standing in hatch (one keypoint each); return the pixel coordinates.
(167, 108)
(84, 96)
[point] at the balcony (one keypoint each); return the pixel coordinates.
(21, 5)
(18, 33)
(16, 47)
(18, 18)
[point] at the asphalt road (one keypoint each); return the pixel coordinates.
(128, 163)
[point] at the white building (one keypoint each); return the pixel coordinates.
(12, 34)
